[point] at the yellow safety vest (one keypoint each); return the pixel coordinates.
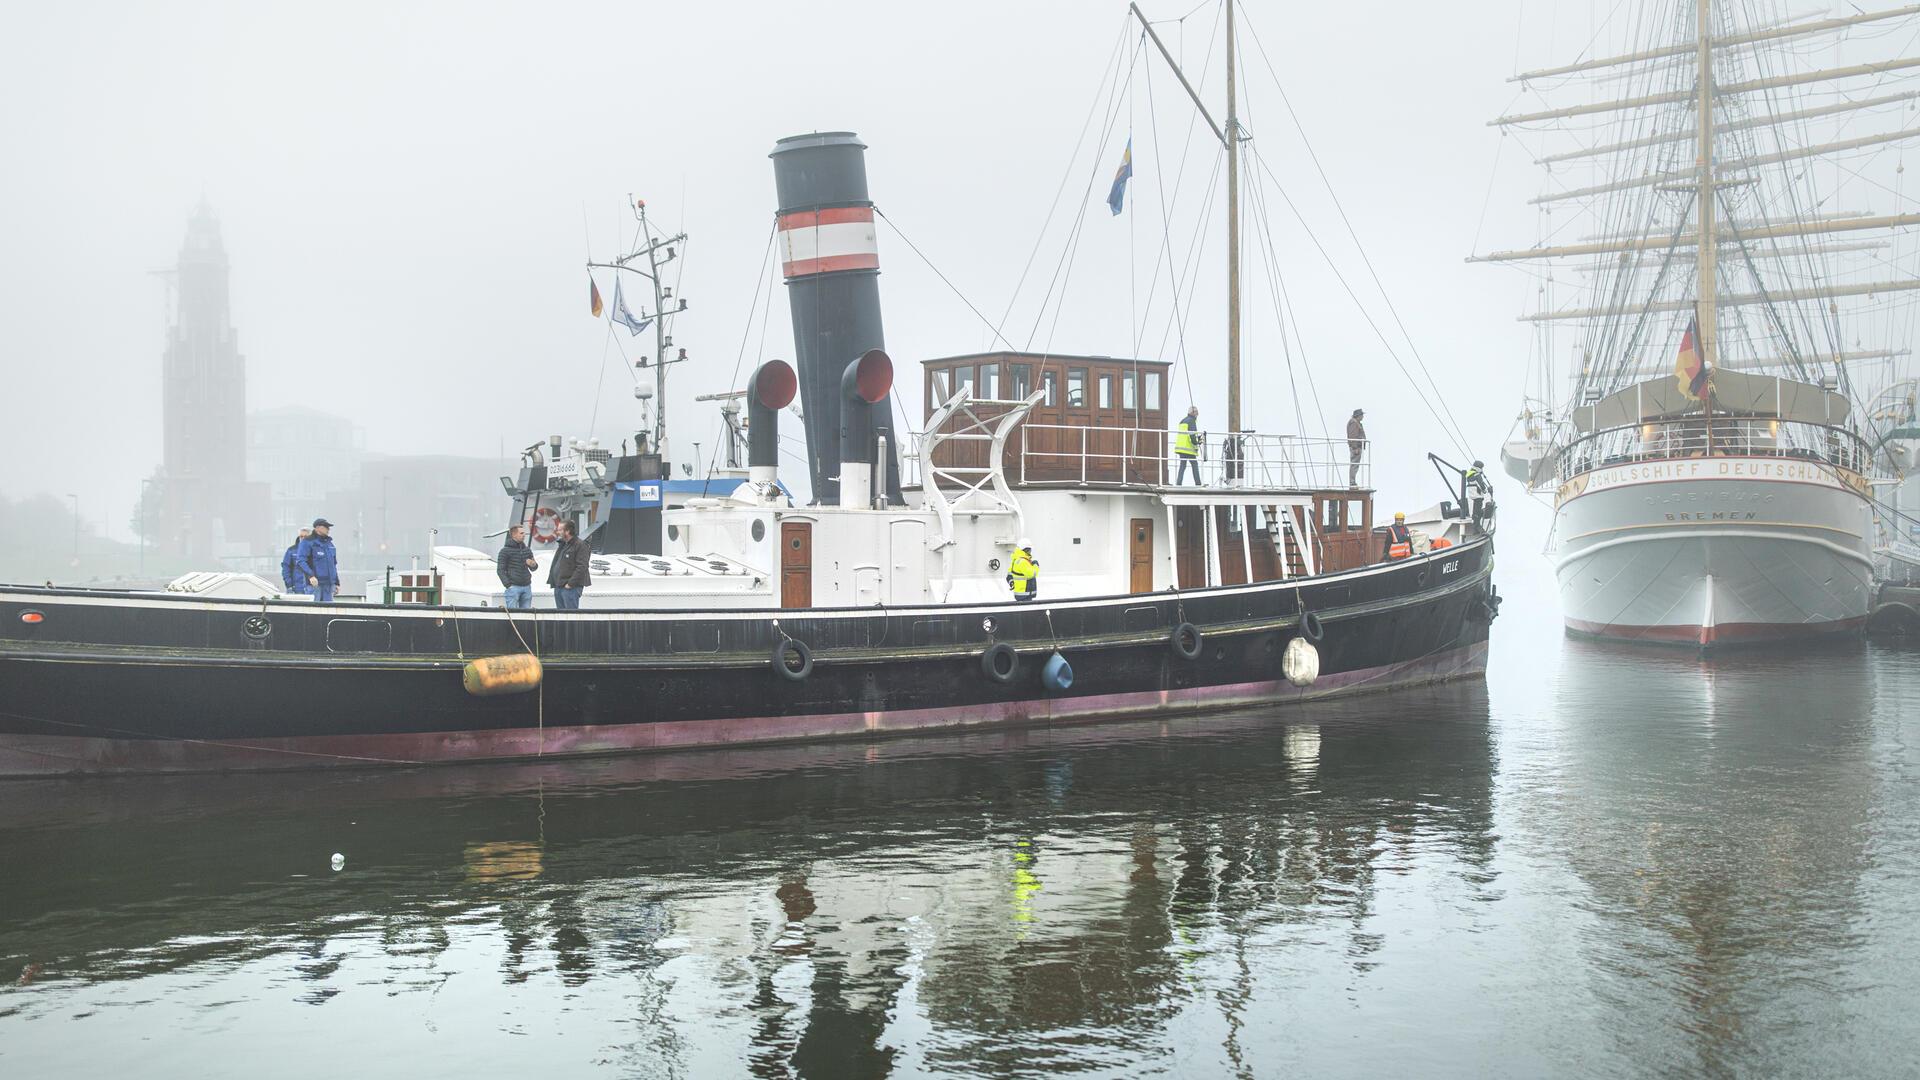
(1023, 570)
(1183, 442)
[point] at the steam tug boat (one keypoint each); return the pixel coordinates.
(738, 616)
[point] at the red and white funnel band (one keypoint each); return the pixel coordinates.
(821, 241)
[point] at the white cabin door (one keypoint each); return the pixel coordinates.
(907, 562)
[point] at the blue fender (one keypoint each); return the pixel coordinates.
(1057, 674)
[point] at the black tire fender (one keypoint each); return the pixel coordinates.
(796, 648)
(1186, 641)
(1311, 629)
(1000, 662)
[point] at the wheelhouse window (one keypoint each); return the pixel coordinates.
(1022, 381)
(1153, 391)
(1356, 515)
(1077, 388)
(990, 381)
(1333, 515)
(963, 378)
(1127, 391)
(942, 384)
(1106, 391)
(1051, 380)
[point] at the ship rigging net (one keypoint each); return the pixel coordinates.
(1756, 184)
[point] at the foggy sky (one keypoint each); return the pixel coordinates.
(402, 190)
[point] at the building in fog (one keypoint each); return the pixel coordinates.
(402, 506)
(307, 459)
(208, 510)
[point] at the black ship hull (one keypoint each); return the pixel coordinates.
(95, 682)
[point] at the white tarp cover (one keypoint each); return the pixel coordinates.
(1733, 391)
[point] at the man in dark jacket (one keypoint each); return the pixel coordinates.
(515, 566)
(316, 561)
(1356, 446)
(568, 574)
(290, 569)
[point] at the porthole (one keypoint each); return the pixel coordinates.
(794, 543)
(673, 532)
(257, 627)
(759, 530)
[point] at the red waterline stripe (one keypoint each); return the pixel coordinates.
(1728, 633)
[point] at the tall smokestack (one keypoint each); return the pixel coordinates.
(831, 258)
(770, 391)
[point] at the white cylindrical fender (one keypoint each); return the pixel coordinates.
(1301, 662)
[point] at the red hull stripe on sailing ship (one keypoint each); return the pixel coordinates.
(822, 241)
(1719, 634)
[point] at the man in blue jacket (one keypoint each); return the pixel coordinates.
(317, 562)
(289, 566)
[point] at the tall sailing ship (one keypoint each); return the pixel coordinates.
(1711, 468)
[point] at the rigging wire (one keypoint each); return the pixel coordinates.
(1458, 434)
(1063, 270)
(1093, 108)
(944, 280)
(1458, 442)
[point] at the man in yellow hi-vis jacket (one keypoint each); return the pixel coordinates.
(1023, 575)
(1186, 445)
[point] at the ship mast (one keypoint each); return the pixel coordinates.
(1233, 238)
(1229, 138)
(658, 252)
(1706, 289)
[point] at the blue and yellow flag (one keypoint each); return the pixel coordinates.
(1117, 198)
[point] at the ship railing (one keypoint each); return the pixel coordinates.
(1095, 455)
(1704, 437)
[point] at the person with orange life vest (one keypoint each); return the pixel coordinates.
(1399, 540)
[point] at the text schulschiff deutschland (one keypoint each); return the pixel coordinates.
(1776, 470)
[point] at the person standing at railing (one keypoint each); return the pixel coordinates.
(1186, 445)
(1356, 446)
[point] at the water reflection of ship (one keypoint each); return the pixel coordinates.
(1718, 817)
(1064, 883)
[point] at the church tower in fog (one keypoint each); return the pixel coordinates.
(211, 514)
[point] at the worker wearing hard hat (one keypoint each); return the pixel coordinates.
(1023, 574)
(1399, 540)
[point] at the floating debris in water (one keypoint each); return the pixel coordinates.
(339, 861)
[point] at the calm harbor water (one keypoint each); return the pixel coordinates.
(1601, 862)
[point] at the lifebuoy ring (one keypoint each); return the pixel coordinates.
(1310, 627)
(1186, 642)
(1000, 662)
(799, 651)
(546, 521)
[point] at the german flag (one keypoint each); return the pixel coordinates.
(593, 296)
(1689, 369)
